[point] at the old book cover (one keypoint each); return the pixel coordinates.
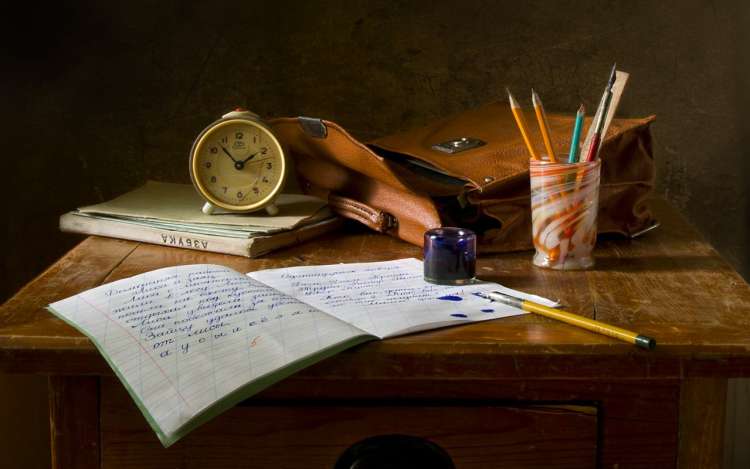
(254, 246)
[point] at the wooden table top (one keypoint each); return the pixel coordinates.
(669, 284)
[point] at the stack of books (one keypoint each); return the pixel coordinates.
(170, 215)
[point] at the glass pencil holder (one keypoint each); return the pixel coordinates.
(564, 205)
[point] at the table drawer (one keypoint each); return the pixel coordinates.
(315, 434)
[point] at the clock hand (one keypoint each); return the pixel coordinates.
(261, 160)
(250, 157)
(238, 165)
(227, 153)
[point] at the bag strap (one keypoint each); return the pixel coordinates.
(375, 219)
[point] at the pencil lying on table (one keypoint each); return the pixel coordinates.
(573, 319)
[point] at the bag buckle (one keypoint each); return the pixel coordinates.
(458, 145)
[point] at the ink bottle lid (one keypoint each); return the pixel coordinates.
(450, 256)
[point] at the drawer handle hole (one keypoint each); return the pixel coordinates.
(394, 452)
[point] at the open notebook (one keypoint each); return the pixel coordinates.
(189, 342)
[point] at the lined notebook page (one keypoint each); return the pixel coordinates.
(389, 298)
(183, 338)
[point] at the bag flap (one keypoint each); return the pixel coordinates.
(324, 140)
(335, 145)
(503, 154)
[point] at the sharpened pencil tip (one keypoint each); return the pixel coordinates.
(581, 109)
(511, 99)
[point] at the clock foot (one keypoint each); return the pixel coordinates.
(272, 210)
(208, 209)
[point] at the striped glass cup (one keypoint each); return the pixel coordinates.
(564, 203)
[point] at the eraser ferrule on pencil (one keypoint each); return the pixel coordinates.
(643, 341)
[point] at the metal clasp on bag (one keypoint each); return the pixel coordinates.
(458, 145)
(313, 126)
(653, 226)
(389, 222)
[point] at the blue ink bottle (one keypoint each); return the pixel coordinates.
(450, 256)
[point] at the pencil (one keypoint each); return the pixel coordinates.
(541, 118)
(573, 319)
(521, 122)
(576, 139)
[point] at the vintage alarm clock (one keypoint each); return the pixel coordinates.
(238, 164)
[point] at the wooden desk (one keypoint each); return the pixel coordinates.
(516, 392)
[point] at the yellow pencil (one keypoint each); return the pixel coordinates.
(573, 319)
(521, 122)
(543, 125)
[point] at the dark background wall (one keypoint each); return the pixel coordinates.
(100, 97)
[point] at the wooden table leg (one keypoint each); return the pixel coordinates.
(702, 414)
(74, 422)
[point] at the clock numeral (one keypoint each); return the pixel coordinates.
(225, 188)
(263, 151)
(239, 135)
(256, 190)
(213, 178)
(265, 179)
(269, 165)
(255, 139)
(208, 164)
(214, 150)
(240, 195)
(225, 140)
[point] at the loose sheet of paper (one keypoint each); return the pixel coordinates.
(183, 338)
(389, 298)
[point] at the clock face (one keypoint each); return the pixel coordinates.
(237, 164)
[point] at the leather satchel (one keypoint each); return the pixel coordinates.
(470, 170)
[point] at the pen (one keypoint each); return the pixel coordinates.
(593, 148)
(573, 319)
(576, 139)
(621, 79)
(541, 118)
(601, 114)
(521, 122)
